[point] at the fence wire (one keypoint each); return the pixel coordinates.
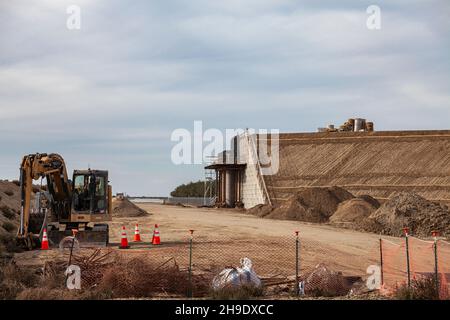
(415, 260)
(286, 265)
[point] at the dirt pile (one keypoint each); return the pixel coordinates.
(310, 204)
(294, 209)
(364, 213)
(410, 210)
(354, 213)
(325, 200)
(126, 208)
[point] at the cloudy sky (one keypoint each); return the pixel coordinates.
(110, 94)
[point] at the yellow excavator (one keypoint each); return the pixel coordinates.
(69, 204)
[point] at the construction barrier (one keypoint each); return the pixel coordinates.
(411, 260)
(185, 266)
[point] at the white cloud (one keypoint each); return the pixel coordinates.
(111, 93)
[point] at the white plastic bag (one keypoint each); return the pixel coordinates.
(236, 277)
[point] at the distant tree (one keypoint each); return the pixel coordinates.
(192, 189)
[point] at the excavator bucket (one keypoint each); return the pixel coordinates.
(29, 242)
(98, 236)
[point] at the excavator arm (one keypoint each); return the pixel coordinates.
(53, 168)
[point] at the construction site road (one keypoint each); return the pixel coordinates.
(345, 250)
(228, 235)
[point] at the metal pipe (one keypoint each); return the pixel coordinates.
(190, 264)
(436, 269)
(381, 261)
(297, 266)
(408, 267)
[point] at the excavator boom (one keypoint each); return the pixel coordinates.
(53, 168)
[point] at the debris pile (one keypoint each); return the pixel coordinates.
(406, 209)
(105, 274)
(324, 282)
(126, 208)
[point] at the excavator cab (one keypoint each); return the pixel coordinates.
(91, 203)
(90, 193)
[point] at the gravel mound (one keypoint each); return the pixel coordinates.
(126, 208)
(406, 209)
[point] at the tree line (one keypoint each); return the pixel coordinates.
(193, 189)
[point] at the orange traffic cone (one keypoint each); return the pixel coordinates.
(44, 242)
(124, 240)
(137, 236)
(156, 239)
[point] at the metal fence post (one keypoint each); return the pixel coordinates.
(408, 268)
(190, 264)
(381, 262)
(297, 267)
(436, 272)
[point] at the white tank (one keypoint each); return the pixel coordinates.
(229, 187)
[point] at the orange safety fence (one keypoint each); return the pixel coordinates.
(393, 265)
(421, 258)
(443, 254)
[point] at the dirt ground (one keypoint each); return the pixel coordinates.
(348, 251)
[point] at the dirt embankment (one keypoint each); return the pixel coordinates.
(9, 213)
(126, 208)
(340, 208)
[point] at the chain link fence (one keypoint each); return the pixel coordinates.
(187, 267)
(287, 266)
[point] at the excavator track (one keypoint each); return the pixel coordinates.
(98, 236)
